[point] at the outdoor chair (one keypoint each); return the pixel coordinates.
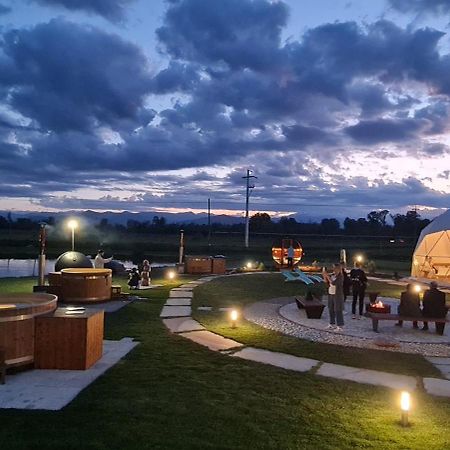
(303, 275)
(290, 276)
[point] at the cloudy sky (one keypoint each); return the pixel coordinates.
(338, 106)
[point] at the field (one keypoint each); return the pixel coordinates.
(388, 256)
(170, 393)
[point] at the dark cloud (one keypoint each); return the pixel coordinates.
(239, 33)
(113, 10)
(4, 9)
(417, 6)
(67, 76)
(371, 132)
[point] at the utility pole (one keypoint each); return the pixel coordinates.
(247, 198)
(209, 222)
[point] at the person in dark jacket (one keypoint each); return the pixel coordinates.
(433, 305)
(134, 278)
(409, 305)
(358, 279)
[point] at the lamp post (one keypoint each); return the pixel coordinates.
(73, 224)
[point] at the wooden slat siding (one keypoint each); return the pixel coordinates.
(70, 342)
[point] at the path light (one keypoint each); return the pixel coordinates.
(359, 258)
(405, 405)
(417, 288)
(171, 274)
(249, 265)
(234, 317)
(73, 225)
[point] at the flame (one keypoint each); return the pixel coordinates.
(379, 304)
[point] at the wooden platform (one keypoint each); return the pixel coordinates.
(71, 342)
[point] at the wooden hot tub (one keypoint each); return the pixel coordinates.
(17, 313)
(86, 285)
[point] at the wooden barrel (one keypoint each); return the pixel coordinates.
(54, 278)
(17, 313)
(86, 285)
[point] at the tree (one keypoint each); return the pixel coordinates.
(261, 222)
(330, 226)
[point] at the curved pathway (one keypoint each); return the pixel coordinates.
(176, 315)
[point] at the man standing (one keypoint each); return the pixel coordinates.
(434, 306)
(359, 283)
(290, 257)
(99, 261)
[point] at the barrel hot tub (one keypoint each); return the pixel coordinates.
(17, 313)
(86, 285)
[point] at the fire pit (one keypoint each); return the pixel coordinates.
(379, 308)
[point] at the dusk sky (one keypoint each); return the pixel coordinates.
(145, 105)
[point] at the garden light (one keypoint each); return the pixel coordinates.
(171, 274)
(73, 225)
(249, 265)
(359, 258)
(417, 288)
(405, 405)
(234, 317)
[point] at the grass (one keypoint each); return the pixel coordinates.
(170, 393)
(243, 290)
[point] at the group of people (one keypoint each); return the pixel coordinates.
(433, 305)
(136, 279)
(340, 283)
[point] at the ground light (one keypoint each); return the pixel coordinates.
(249, 265)
(417, 288)
(405, 405)
(234, 317)
(171, 274)
(359, 258)
(73, 224)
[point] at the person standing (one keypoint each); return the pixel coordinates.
(100, 260)
(290, 257)
(335, 297)
(145, 274)
(409, 305)
(433, 305)
(358, 280)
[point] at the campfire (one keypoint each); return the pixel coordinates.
(379, 307)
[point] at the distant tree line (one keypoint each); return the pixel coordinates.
(374, 224)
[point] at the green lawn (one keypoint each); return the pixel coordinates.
(243, 290)
(170, 393)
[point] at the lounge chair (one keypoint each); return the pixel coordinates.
(314, 278)
(290, 276)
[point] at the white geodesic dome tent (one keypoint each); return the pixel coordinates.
(431, 258)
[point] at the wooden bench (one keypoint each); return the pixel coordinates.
(376, 317)
(313, 308)
(2, 366)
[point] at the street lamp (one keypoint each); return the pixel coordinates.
(73, 224)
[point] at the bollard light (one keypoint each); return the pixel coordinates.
(234, 317)
(405, 405)
(171, 275)
(417, 288)
(249, 265)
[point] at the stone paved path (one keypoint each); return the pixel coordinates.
(192, 330)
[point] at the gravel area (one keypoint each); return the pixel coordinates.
(267, 314)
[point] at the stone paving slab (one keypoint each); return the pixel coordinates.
(205, 308)
(175, 311)
(438, 360)
(181, 294)
(211, 340)
(435, 386)
(54, 389)
(182, 325)
(226, 309)
(282, 360)
(178, 302)
(367, 376)
(179, 289)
